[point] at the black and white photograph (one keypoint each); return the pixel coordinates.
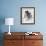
(27, 15)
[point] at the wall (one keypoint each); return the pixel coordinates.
(11, 8)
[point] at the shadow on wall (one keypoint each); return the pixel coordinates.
(2, 21)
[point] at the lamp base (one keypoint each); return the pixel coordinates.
(9, 33)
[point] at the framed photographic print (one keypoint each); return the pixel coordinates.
(27, 15)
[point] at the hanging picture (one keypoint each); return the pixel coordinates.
(27, 15)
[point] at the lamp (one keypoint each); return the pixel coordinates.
(9, 21)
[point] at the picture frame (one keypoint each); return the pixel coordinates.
(27, 15)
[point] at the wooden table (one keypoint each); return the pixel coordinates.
(20, 39)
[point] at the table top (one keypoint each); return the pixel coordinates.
(22, 35)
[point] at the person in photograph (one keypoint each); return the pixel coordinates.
(27, 15)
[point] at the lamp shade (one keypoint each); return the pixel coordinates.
(9, 21)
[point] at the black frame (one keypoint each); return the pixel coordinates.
(21, 15)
